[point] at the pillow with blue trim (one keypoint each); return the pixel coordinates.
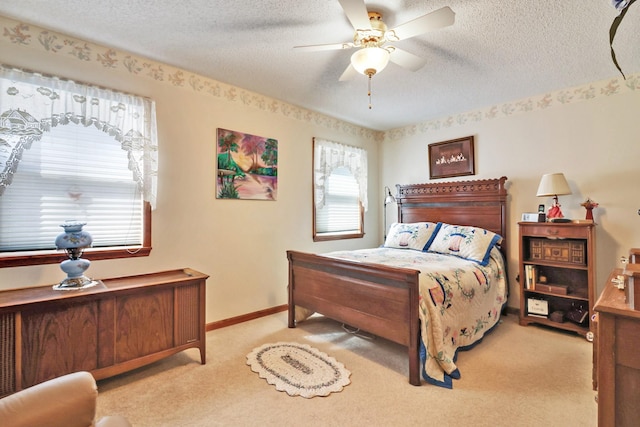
(472, 243)
(415, 235)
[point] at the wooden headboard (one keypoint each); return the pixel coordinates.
(481, 203)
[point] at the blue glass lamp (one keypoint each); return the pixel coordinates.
(73, 241)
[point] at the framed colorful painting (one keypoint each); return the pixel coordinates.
(451, 158)
(247, 166)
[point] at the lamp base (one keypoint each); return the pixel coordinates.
(561, 220)
(75, 283)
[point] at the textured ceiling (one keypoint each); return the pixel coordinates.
(496, 51)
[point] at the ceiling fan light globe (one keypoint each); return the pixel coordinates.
(370, 60)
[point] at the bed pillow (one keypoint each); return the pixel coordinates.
(415, 235)
(472, 243)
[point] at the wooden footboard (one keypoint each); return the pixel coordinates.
(374, 298)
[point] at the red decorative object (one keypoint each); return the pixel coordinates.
(555, 211)
(589, 205)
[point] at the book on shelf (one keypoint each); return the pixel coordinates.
(531, 276)
(541, 316)
(553, 288)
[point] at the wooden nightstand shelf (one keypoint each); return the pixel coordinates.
(557, 274)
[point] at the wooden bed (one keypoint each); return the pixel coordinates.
(383, 300)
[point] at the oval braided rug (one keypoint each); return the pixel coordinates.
(298, 369)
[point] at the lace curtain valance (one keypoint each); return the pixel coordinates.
(330, 155)
(31, 104)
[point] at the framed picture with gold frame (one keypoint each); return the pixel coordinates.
(451, 158)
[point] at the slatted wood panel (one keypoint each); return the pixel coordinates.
(188, 328)
(7, 354)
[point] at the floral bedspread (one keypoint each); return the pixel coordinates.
(460, 301)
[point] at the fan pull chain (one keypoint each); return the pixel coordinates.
(369, 91)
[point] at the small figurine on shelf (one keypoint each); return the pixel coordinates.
(589, 205)
(554, 211)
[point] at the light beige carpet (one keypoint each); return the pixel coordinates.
(518, 376)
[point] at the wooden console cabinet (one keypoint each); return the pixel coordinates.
(116, 326)
(618, 360)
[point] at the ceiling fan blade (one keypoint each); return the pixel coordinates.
(407, 60)
(331, 46)
(348, 73)
(431, 21)
(357, 13)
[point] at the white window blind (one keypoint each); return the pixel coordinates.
(72, 172)
(340, 190)
(341, 210)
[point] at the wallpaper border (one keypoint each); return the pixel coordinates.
(33, 37)
(587, 92)
(30, 36)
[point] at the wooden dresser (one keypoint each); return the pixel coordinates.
(118, 325)
(618, 358)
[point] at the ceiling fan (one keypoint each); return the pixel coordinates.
(374, 40)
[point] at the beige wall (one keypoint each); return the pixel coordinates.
(595, 142)
(240, 244)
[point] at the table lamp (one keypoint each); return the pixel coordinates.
(73, 241)
(554, 184)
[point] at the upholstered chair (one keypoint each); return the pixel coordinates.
(66, 401)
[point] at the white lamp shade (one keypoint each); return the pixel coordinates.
(370, 60)
(553, 184)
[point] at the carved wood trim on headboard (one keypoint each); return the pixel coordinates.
(477, 189)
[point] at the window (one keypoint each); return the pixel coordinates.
(73, 151)
(340, 175)
(341, 212)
